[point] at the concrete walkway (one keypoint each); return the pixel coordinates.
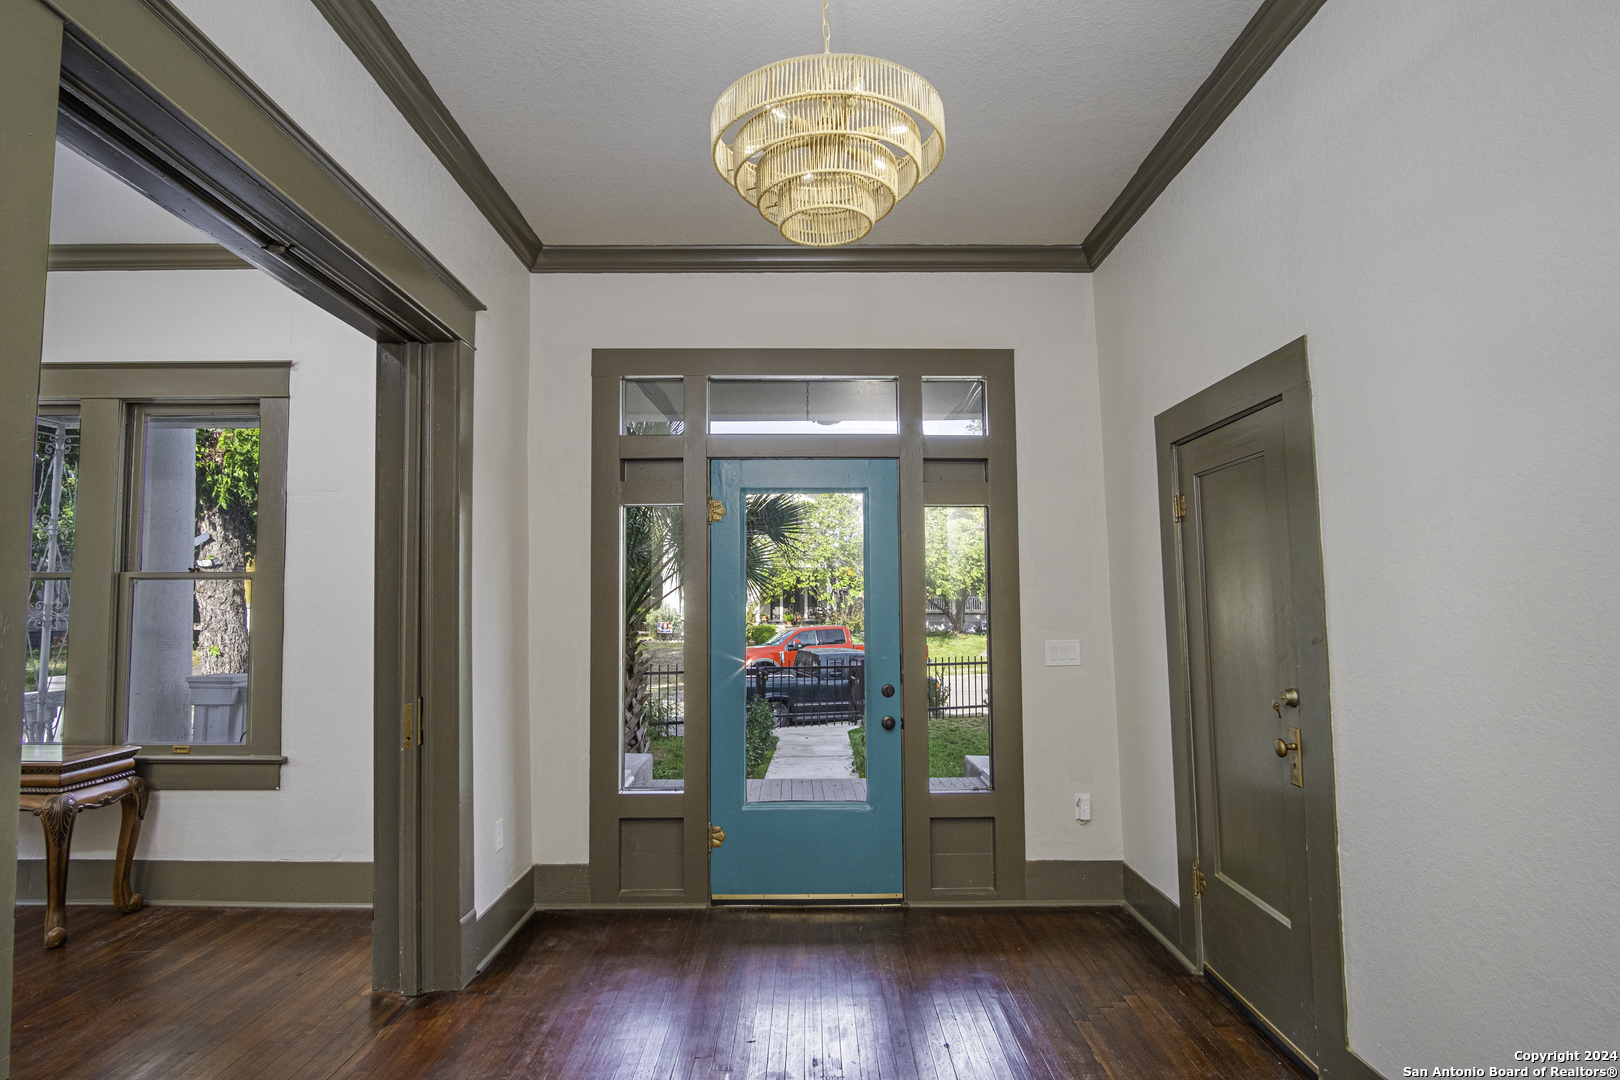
(813, 752)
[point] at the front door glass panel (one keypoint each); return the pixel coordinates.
(806, 693)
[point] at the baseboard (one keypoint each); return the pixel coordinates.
(488, 934)
(1157, 913)
(216, 884)
(563, 885)
(1073, 881)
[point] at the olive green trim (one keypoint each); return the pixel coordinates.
(1268, 33)
(1155, 911)
(178, 381)
(780, 258)
(562, 885)
(1073, 881)
(145, 257)
(30, 57)
(374, 43)
(227, 884)
(148, 97)
(484, 936)
(212, 772)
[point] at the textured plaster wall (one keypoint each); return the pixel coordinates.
(1427, 192)
(1045, 318)
(321, 813)
(294, 55)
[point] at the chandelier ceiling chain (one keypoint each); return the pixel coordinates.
(825, 145)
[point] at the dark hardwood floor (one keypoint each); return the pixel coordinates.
(199, 993)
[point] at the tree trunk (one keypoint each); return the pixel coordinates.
(222, 605)
(637, 661)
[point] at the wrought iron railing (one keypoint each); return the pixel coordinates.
(832, 693)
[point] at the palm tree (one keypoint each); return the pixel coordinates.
(652, 574)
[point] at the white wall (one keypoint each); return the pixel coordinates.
(1427, 191)
(323, 811)
(291, 52)
(1045, 318)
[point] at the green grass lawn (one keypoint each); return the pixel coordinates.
(759, 773)
(956, 646)
(949, 740)
(669, 757)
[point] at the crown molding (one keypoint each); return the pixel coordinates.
(780, 258)
(1268, 33)
(145, 257)
(374, 43)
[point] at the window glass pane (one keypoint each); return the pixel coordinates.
(654, 407)
(802, 407)
(45, 693)
(56, 490)
(188, 661)
(953, 406)
(957, 586)
(200, 493)
(653, 677)
(806, 695)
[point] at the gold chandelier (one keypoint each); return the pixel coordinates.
(824, 146)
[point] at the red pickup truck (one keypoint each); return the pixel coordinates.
(781, 649)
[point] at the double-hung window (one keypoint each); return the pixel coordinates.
(159, 500)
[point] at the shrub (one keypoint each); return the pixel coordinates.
(939, 693)
(760, 633)
(761, 733)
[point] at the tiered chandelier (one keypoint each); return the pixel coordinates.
(824, 146)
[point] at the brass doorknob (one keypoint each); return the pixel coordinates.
(1283, 748)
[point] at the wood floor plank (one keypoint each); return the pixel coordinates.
(813, 994)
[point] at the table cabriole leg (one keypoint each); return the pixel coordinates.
(56, 816)
(134, 809)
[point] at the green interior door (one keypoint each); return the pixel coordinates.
(1251, 804)
(811, 827)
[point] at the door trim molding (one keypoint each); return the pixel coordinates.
(145, 257)
(1280, 377)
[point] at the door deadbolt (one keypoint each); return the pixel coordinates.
(888, 690)
(1289, 697)
(888, 723)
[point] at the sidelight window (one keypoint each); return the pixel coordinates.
(956, 581)
(50, 564)
(652, 671)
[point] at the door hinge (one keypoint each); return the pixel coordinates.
(717, 836)
(1198, 880)
(1178, 506)
(413, 723)
(717, 510)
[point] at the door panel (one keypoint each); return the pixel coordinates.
(1251, 817)
(839, 837)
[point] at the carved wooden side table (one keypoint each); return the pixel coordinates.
(58, 782)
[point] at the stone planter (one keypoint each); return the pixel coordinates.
(218, 708)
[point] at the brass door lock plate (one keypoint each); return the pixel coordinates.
(1198, 879)
(1288, 746)
(717, 836)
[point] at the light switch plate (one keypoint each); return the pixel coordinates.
(1063, 654)
(1082, 806)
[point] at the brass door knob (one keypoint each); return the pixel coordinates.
(1283, 748)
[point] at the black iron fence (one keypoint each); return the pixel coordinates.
(832, 692)
(959, 687)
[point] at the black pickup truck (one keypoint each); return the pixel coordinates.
(825, 685)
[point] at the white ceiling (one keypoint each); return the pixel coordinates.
(89, 206)
(594, 116)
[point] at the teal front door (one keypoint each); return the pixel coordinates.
(817, 822)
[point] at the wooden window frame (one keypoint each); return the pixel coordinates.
(112, 399)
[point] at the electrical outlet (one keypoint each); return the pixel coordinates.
(1082, 806)
(500, 833)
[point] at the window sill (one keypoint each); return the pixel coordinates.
(211, 772)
